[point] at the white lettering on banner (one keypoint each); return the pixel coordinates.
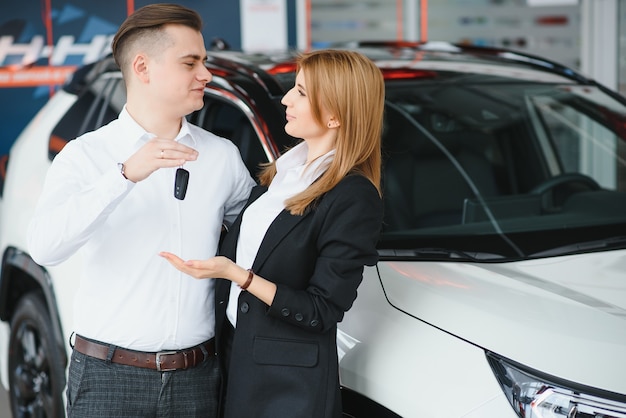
(30, 52)
(99, 46)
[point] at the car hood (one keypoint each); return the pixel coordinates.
(565, 316)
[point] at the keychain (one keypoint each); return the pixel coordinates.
(180, 184)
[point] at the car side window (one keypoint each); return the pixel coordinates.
(427, 179)
(98, 105)
(228, 121)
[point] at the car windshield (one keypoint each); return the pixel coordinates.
(493, 168)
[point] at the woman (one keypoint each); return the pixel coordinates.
(299, 247)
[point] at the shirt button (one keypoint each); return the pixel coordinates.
(285, 312)
(245, 307)
(315, 323)
(299, 317)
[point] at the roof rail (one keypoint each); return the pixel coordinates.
(527, 59)
(500, 53)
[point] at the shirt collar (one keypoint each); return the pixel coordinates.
(186, 131)
(296, 157)
(135, 131)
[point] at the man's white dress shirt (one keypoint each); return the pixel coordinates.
(293, 176)
(128, 295)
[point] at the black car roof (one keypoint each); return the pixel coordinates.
(274, 70)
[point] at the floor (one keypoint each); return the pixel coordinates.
(5, 409)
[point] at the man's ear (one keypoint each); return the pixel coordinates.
(140, 68)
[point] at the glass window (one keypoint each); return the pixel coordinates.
(228, 121)
(98, 105)
(584, 143)
(507, 169)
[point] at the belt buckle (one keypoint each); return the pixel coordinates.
(158, 360)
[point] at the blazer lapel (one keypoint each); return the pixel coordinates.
(279, 228)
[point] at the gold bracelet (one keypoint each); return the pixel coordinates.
(248, 280)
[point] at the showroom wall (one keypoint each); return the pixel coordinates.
(77, 32)
(549, 31)
(571, 32)
(622, 47)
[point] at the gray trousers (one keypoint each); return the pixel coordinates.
(97, 388)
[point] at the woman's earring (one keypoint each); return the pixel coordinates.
(330, 125)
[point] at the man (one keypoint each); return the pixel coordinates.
(144, 331)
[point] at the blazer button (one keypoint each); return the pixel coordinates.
(298, 317)
(245, 307)
(285, 312)
(314, 323)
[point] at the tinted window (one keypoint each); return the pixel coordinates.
(228, 121)
(98, 104)
(508, 169)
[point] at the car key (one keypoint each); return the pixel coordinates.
(180, 184)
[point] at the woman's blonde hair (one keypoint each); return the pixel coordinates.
(351, 88)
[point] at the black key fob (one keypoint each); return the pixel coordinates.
(180, 185)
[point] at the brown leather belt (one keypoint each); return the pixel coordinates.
(162, 361)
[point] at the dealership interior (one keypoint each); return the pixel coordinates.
(588, 35)
(533, 292)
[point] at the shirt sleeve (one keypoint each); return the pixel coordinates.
(72, 206)
(241, 187)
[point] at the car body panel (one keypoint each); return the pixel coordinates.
(20, 198)
(527, 311)
(373, 337)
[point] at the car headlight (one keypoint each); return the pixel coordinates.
(536, 395)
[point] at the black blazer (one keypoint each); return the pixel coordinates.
(284, 356)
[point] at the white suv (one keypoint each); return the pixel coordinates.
(501, 286)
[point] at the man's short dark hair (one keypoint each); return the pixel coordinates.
(148, 22)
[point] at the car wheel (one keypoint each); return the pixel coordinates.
(36, 366)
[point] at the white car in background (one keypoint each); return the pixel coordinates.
(501, 286)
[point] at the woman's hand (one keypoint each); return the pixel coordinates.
(216, 267)
(223, 268)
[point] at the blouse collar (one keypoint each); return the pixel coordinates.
(295, 159)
